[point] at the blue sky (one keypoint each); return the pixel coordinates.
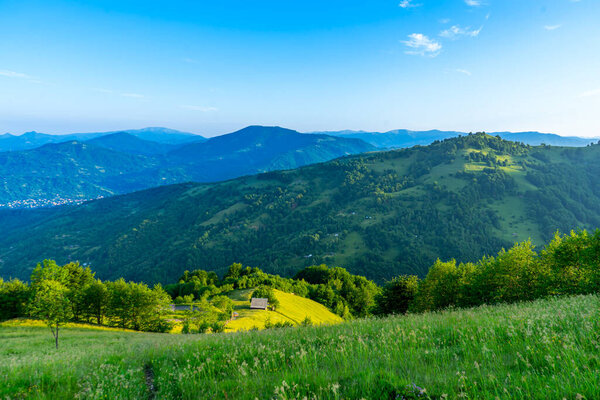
(211, 67)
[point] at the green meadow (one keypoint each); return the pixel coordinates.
(547, 349)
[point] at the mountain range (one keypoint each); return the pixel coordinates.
(31, 140)
(124, 162)
(41, 169)
(401, 138)
(378, 214)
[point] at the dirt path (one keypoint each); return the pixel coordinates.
(149, 374)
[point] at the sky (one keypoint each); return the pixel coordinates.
(211, 67)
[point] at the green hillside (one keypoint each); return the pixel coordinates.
(540, 350)
(378, 214)
(293, 309)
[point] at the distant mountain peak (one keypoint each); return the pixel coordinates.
(264, 129)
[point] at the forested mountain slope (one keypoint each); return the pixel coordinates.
(377, 214)
(75, 170)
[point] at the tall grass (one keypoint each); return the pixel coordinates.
(548, 349)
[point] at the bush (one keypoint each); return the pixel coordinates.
(397, 295)
(217, 327)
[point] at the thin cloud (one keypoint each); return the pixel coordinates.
(408, 4)
(455, 32)
(590, 93)
(473, 3)
(444, 21)
(464, 71)
(200, 108)
(13, 74)
(552, 27)
(422, 45)
(19, 75)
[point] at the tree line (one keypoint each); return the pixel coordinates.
(61, 294)
(568, 265)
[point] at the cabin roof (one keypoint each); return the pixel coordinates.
(260, 303)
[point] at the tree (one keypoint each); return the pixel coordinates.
(397, 295)
(118, 298)
(51, 304)
(440, 287)
(94, 300)
(71, 275)
(234, 271)
(14, 296)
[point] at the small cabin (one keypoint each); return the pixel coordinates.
(259, 304)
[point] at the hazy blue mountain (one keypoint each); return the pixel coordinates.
(537, 138)
(402, 138)
(163, 135)
(128, 143)
(31, 140)
(121, 162)
(28, 140)
(259, 149)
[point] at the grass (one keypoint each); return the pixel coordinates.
(548, 349)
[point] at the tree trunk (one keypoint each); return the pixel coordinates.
(56, 338)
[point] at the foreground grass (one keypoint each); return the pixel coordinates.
(547, 349)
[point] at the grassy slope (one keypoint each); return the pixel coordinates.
(540, 350)
(292, 308)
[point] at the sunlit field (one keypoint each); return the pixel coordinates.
(549, 349)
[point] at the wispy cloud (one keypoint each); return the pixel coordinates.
(552, 27)
(473, 3)
(455, 32)
(422, 45)
(102, 90)
(133, 95)
(200, 108)
(13, 74)
(19, 75)
(463, 71)
(408, 4)
(190, 61)
(590, 93)
(444, 21)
